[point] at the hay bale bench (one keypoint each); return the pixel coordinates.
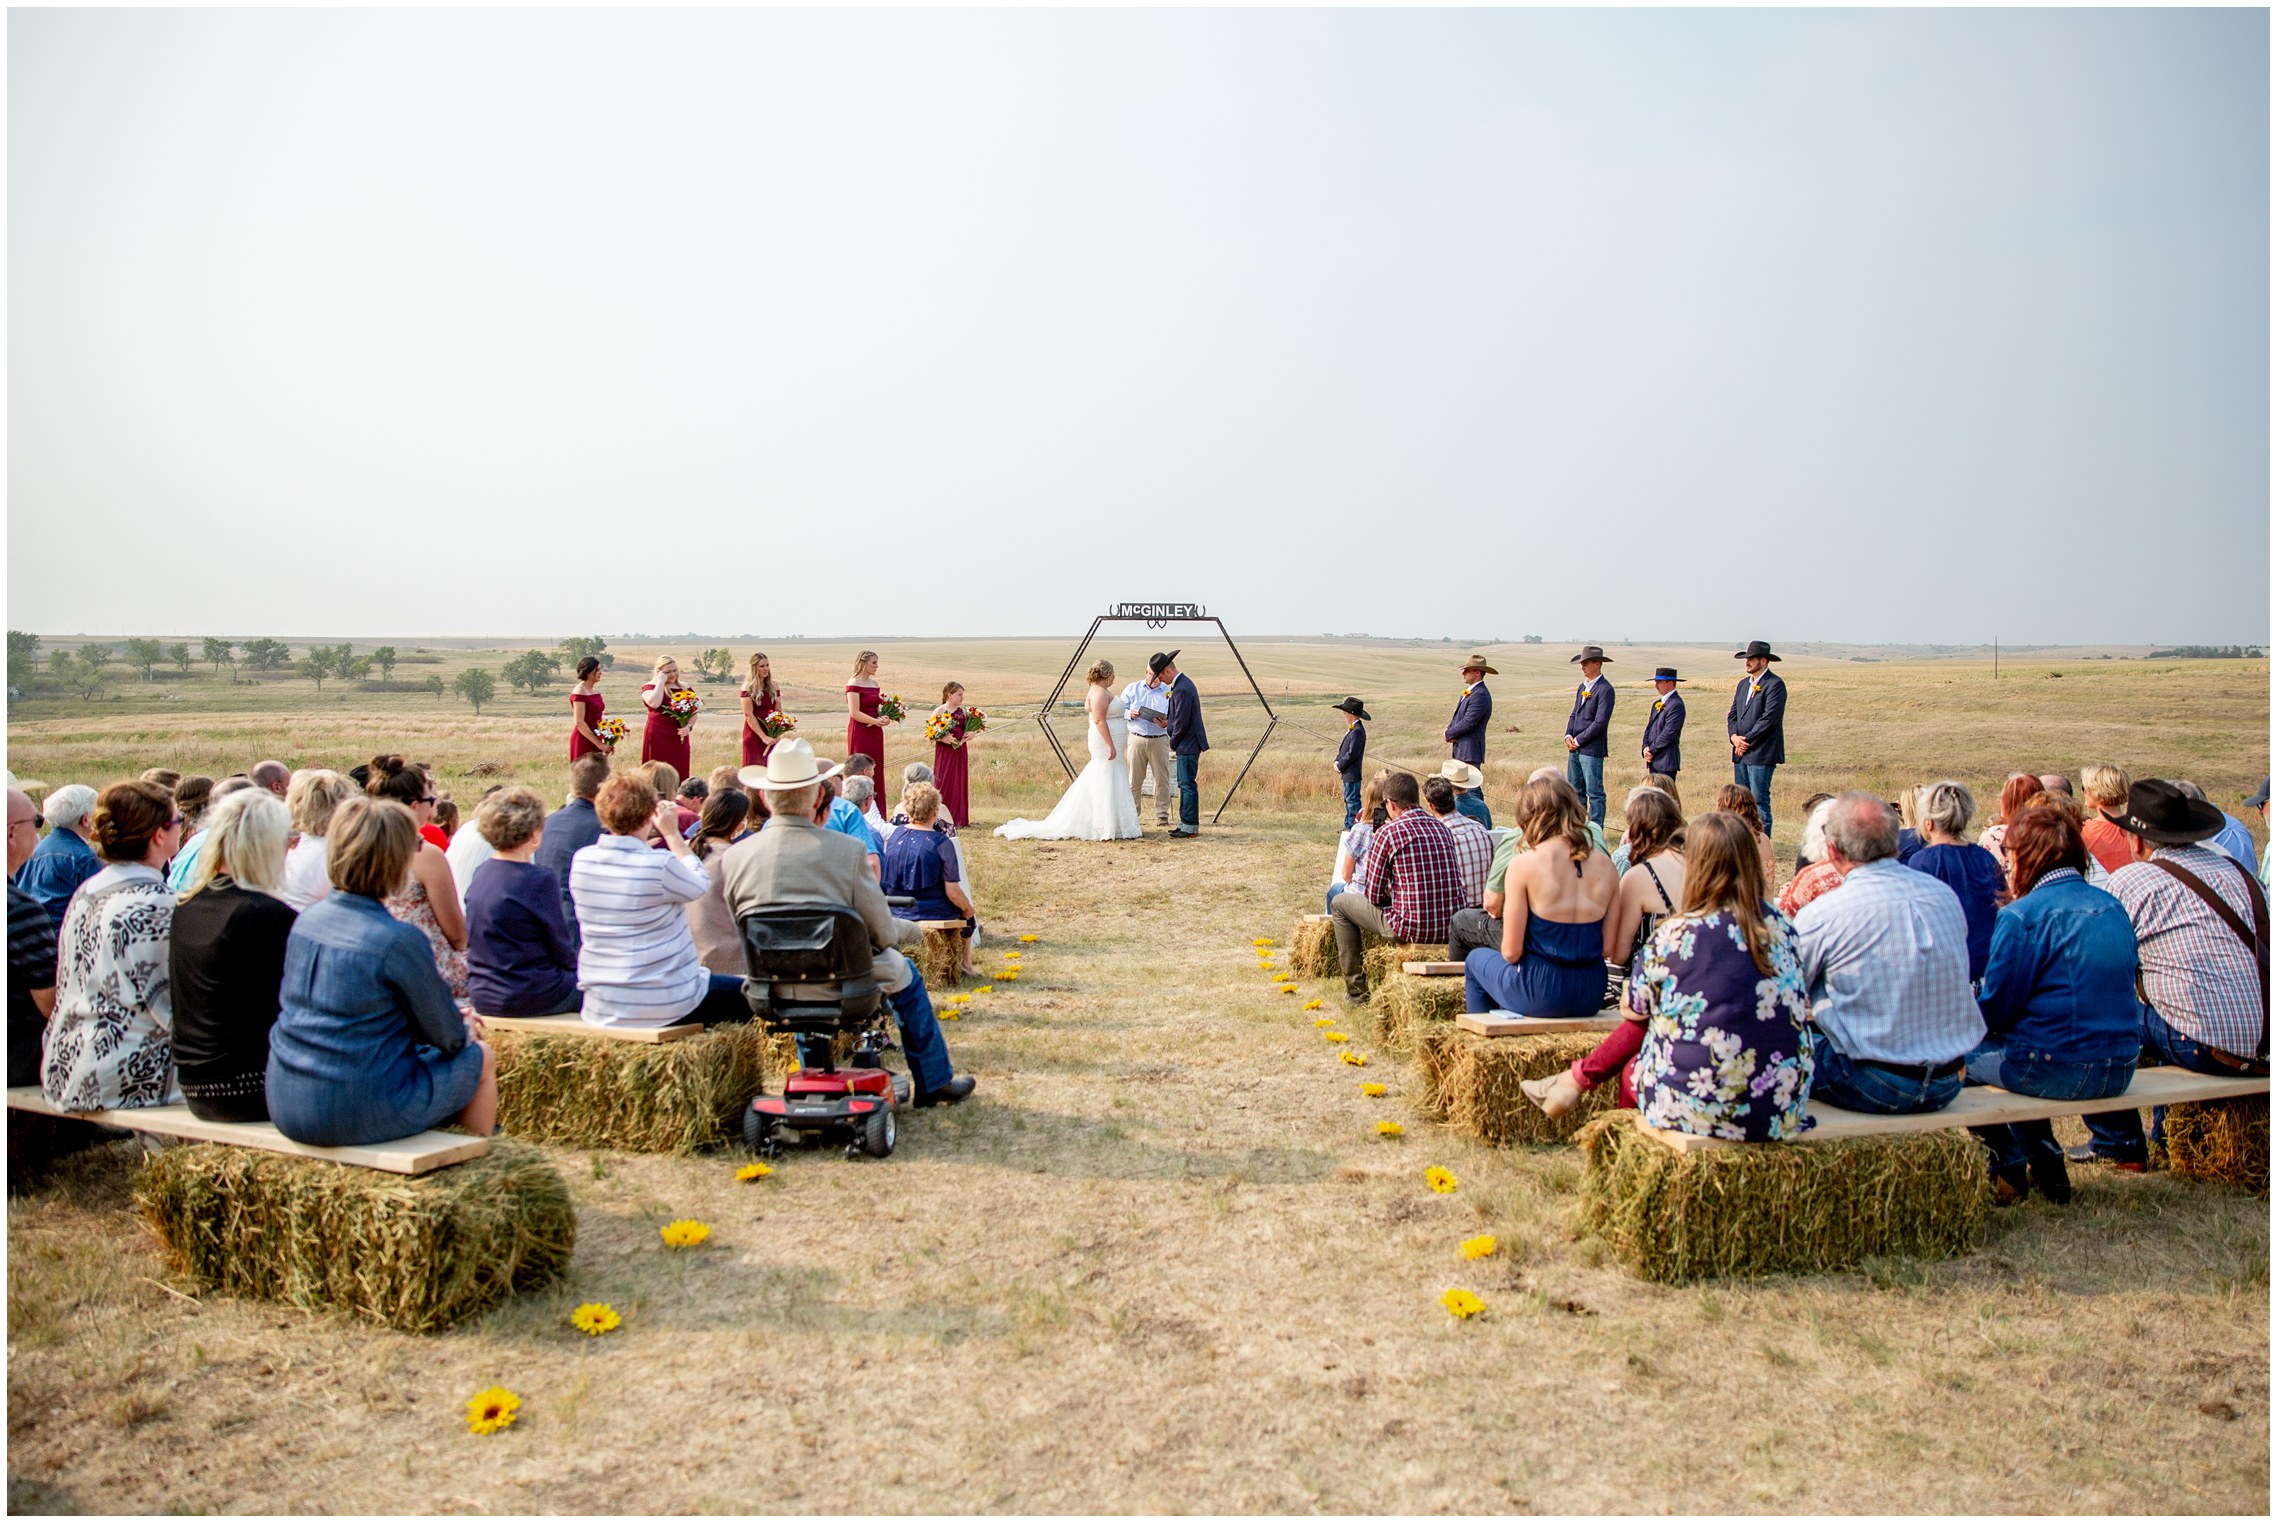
(2226, 1141)
(1406, 1005)
(1469, 1071)
(416, 1233)
(943, 958)
(672, 1090)
(1312, 947)
(1676, 1207)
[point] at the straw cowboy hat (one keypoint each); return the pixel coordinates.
(1355, 708)
(790, 765)
(2160, 812)
(1478, 664)
(1591, 653)
(1462, 774)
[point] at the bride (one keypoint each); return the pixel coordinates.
(1097, 805)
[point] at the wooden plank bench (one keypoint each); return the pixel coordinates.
(576, 1025)
(1433, 969)
(1510, 1023)
(422, 1154)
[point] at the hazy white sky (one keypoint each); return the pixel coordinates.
(1910, 326)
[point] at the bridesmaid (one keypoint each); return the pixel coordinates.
(949, 761)
(585, 706)
(760, 698)
(865, 731)
(661, 739)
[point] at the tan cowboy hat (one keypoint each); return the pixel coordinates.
(1478, 663)
(1462, 774)
(790, 765)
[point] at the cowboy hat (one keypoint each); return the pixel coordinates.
(1665, 674)
(790, 765)
(1754, 648)
(1160, 659)
(2259, 796)
(1478, 664)
(1462, 774)
(1355, 708)
(1591, 653)
(2158, 811)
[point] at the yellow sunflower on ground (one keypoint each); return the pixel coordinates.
(1478, 1247)
(1336, 1036)
(595, 1318)
(1440, 1180)
(1357, 1060)
(1312, 1004)
(684, 1233)
(751, 1171)
(488, 1411)
(1462, 1304)
(1031, 937)
(1390, 1129)
(1372, 1090)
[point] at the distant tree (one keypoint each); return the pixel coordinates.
(179, 654)
(1533, 639)
(218, 651)
(384, 659)
(94, 656)
(23, 656)
(716, 665)
(434, 684)
(317, 665)
(81, 671)
(357, 668)
(266, 655)
(476, 685)
(143, 654)
(531, 670)
(577, 647)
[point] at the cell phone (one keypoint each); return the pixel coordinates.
(1377, 817)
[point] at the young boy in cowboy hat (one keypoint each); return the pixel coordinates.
(1757, 725)
(1585, 731)
(1352, 755)
(1664, 729)
(1466, 734)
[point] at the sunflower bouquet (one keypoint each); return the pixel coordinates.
(777, 724)
(681, 706)
(940, 727)
(612, 731)
(891, 708)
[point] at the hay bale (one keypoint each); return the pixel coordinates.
(2222, 1140)
(643, 1097)
(1478, 1078)
(1405, 1005)
(1382, 958)
(1312, 948)
(413, 1253)
(1779, 1207)
(943, 960)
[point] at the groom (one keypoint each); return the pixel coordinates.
(1188, 740)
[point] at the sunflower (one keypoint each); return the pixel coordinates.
(1357, 1060)
(1336, 1036)
(1372, 1091)
(985, 989)
(1290, 989)
(595, 1318)
(488, 1411)
(754, 1170)
(1030, 937)
(1440, 1180)
(1322, 1020)
(1462, 1304)
(1312, 1004)
(684, 1233)
(1262, 941)
(1390, 1129)
(1478, 1247)
(1009, 976)
(950, 1015)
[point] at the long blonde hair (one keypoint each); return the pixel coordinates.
(1549, 809)
(245, 838)
(762, 694)
(657, 671)
(1723, 870)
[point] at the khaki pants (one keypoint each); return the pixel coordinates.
(1151, 751)
(1349, 915)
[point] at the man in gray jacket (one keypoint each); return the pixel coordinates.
(795, 861)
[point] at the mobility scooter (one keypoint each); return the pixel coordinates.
(810, 975)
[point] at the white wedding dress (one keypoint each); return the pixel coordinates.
(1097, 805)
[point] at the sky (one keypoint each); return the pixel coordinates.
(1862, 326)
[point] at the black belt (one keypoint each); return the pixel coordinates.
(1919, 1073)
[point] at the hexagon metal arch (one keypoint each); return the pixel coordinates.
(1158, 616)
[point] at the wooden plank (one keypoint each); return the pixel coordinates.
(573, 1025)
(957, 926)
(1312, 917)
(422, 1154)
(1985, 1105)
(1433, 969)
(1504, 1023)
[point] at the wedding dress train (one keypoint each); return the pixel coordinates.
(1097, 805)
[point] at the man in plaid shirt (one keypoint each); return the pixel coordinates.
(1474, 843)
(1406, 888)
(2208, 1001)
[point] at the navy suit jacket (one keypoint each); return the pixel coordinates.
(1592, 715)
(1353, 753)
(569, 830)
(1762, 718)
(1466, 732)
(1187, 737)
(1662, 734)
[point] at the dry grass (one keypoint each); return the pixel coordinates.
(2226, 1141)
(1163, 1262)
(644, 1097)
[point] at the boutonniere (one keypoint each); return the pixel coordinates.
(1657, 704)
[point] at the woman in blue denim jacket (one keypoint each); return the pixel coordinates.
(369, 1046)
(2061, 1017)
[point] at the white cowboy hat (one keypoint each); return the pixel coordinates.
(1462, 774)
(790, 765)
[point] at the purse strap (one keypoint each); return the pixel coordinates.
(2257, 938)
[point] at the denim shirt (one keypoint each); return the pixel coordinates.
(57, 867)
(360, 990)
(2061, 978)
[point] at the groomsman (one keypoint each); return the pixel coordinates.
(1585, 731)
(1664, 728)
(1757, 725)
(1466, 734)
(1352, 756)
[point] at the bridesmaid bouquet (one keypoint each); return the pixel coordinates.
(940, 727)
(890, 708)
(776, 725)
(975, 721)
(611, 730)
(681, 706)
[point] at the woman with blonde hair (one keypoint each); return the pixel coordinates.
(1098, 805)
(865, 728)
(760, 697)
(661, 737)
(949, 760)
(1555, 900)
(1352, 847)
(110, 1042)
(312, 796)
(227, 958)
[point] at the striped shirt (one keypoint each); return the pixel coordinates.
(2201, 979)
(1886, 960)
(1474, 851)
(638, 964)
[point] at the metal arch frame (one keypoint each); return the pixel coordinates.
(1044, 715)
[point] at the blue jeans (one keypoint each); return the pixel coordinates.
(2118, 1135)
(1351, 798)
(1333, 890)
(1587, 774)
(1472, 801)
(1756, 780)
(1189, 793)
(2038, 1074)
(1840, 1079)
(921, 1044)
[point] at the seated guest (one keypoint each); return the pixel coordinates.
(1654, 783)
(1653, 885)
(846, 820)
(722, 776)
(1812, 850)
(1406, 888)
(665, 779)
(368, 1046)
(1819, 876)
(1908, 804)
(795, 861)
(572, 828)
(1352, 846)
(1474, 844)
(110, 1044)
(312, 796)
(519, 956)
(64, 860)
(1733, 798)
(2207, 992)
(2096, 876)
(447, 818)
(2058, 998)
(429, 899)
(31, 951)
(274, 776)
(2235, 838)
(719, 945)
(184, 867)
(921, 865)
(864, 769)
(2055, 782)
(1555, 900)
(227, 961)
(1971, 872)
(2020, 789)
(468, 850)
(2259, 799)
(1717, 1020)
(2106, 788)
(863, 796)
(1886, 960)
(637, 963)
(1468, 930)
(163, 777)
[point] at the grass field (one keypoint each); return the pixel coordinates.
(1163, 1262)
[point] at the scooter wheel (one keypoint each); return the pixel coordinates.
(880, 1133)
(756, 1129)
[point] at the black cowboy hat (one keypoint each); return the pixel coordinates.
(2158, 811)
(1665, 674)
(1591, 653)
(1160, 659)
(2259, 796)
(1353, 707)
(1755, 648)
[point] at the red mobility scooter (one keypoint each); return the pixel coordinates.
(810, 974)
